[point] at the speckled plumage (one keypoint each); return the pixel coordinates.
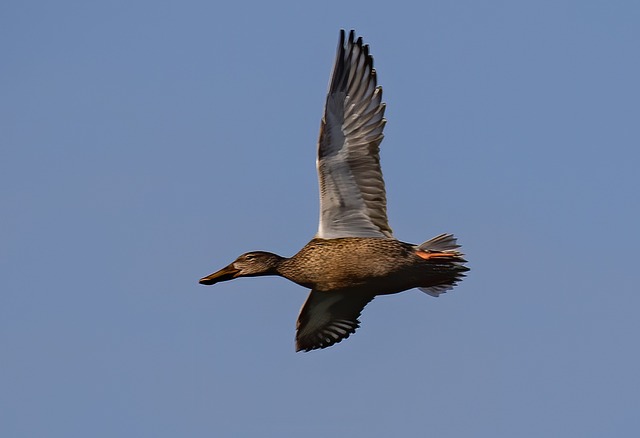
(374, 265)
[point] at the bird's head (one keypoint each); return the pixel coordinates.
(251, 264)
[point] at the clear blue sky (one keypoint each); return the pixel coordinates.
(145, 144)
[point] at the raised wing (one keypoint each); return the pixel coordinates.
(353, 202)
(327, 318)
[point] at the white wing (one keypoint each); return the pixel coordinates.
(353, 202)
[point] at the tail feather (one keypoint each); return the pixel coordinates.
(445, 243)
(442, 243)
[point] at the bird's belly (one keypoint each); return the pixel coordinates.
(363, 278)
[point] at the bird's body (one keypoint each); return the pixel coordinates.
(354, 256)
(372, 265)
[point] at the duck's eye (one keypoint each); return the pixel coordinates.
(249, 257)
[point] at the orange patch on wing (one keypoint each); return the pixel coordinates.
(432, 255)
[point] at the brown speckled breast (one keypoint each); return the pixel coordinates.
(377, 265)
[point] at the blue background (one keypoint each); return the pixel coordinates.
(145, 144)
